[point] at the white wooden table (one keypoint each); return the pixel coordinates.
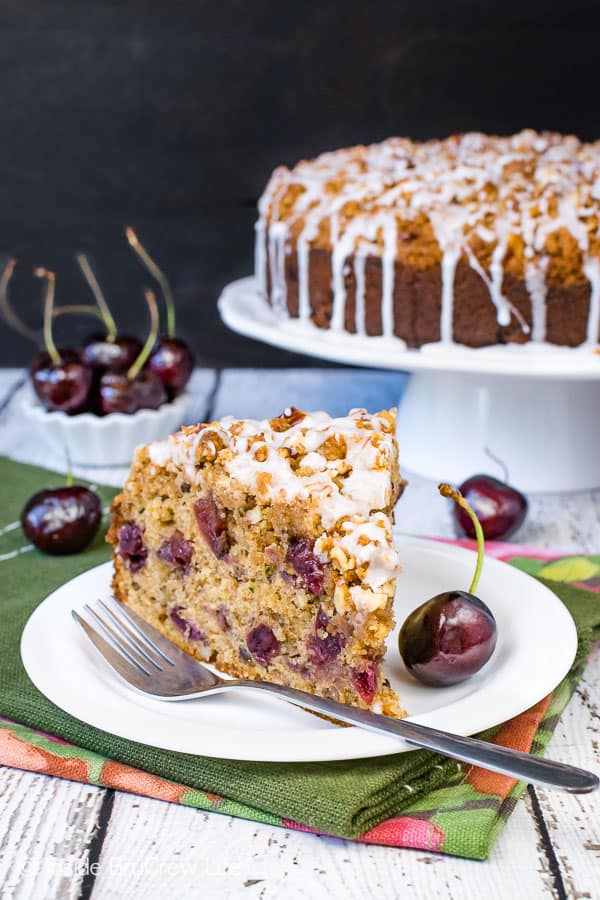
(64, 840)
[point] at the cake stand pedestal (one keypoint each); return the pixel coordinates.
(534, 408)
(546, 432)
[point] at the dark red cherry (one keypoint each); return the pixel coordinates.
(118, 393)
(177, 552)
(307, 565)
(150, 390)
(262, 644)
(212, 523)
(365, 682)
(500, 508)
(110, 356)
(323, 645)
(173, 361)
(63, 385)
(62, 520)
(448, 638)
(131, 547)
(42, 359)
(186, 626)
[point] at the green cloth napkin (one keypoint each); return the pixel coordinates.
(343, 798)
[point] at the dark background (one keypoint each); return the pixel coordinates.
(171, 116)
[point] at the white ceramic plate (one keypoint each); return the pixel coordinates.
(244, 310)
(535, 649)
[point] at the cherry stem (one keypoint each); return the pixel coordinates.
(146, 350)
(48, 309)
(77, 308)
(8, 313)
(69, 481)
(499, 462)
(446, 490)
(106, 315)
(158, 274)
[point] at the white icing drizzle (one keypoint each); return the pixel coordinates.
(497, 273)
(503, 306)
(591, 267)
(390, 238)
(535, 281)
(449, 261)
(277, 239)
(525, 187)
(260, 256)
(303, 249)
(349, 494)
(359, 278)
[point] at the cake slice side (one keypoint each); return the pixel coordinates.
(265, 547)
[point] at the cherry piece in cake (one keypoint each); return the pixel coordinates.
(212, 523)
(131, 546)
(307, 565)
(262, 644)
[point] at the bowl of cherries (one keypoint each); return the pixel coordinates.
(101, 400)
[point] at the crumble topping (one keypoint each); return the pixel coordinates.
(340, 464)
(528, 203)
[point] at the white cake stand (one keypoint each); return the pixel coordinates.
(535, 408)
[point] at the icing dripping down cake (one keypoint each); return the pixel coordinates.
(475, 240)
(265, 547)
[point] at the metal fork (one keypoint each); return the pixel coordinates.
(152, 664)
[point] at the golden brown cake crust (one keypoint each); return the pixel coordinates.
(475, 239)
(266, 548)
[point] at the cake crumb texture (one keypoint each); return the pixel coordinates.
(266, 548)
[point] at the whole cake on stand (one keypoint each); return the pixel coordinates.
(481, 251)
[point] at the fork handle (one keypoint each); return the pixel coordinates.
(522, 766)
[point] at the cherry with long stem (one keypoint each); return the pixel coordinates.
(451, 636)
(50, 279)
(446, 490)
(171, 358)
(85, 308)
(6, 309)
(103, 307)
(139, 387)
(59, 378)
(156, 273)
(146, 350)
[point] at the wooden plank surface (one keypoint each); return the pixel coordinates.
(46, 836)
(163, 851)
(140, 847)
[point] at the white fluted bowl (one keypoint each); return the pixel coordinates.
(108, 440)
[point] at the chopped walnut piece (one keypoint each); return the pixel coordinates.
(288, 417)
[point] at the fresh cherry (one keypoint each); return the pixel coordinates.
(138, 388)
(173, 362)
(109, 351)
(61, 385)
(103, 355)
(448, 638)
(451, 636)
(171, 358)
(43, 359)
(149, 389)
(500, 508)
(117, 392)
(59, 378)
(62, 520)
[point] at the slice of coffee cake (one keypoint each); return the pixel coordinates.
(266, 548)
